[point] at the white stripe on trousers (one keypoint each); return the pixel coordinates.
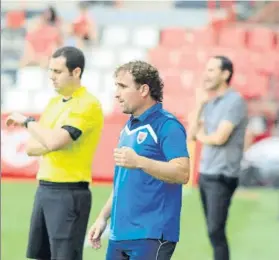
(160, 246)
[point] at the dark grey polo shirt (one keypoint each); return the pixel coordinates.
(224, 159)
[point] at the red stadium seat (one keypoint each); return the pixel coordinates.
(223, 51)
(163, 58)
(251, 83)
(15, 19)
(181, 82)
(262, 39)
(200, 37)
(258, 84)
(191, 57)
(277, 41)
(203, 54)
(242, 60)
(234, 37)
(267, 63)
(172, 84)
(178, 37)
(173, 37)
(240, 81)
(189, 61)
(178, 104)
(190, 80)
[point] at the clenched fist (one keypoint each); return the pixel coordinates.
(126, 157)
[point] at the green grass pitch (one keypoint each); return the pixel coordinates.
(253, 227)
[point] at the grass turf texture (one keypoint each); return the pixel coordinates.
(253, 224)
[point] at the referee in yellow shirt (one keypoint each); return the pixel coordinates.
(66, 137)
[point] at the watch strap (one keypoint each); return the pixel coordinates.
(28, 120)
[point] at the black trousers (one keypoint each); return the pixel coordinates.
(59, 221)
(140, 249)
(216, 193)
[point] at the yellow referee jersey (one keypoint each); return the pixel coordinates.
(72, 163)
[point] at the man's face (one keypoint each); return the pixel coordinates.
(61, 77)
(213, 76)
(128, 93)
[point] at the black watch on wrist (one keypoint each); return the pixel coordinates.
(29, 119)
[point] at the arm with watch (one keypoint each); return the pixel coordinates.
(43, 139)
(33, 147)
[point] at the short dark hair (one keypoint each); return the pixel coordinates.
(53, 15)
(226, 64)
(145, 73)
(74, 58)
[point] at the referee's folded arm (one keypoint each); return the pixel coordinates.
(57, 138)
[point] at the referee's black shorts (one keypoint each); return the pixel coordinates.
(59, 221)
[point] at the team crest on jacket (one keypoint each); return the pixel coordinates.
(141, 137)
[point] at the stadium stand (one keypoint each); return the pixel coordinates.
(179, 52)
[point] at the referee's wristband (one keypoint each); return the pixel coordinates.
(28, 120)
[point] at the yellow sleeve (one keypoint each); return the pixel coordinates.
(47, 111)
(85, 117)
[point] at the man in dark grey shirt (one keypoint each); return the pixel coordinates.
(219, 123)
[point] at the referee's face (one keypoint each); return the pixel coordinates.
(60, 76)
(128, 94)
